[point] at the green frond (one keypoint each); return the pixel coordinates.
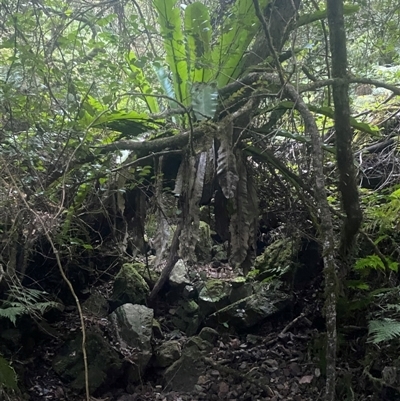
(174, 44)
(24, 301)
(237, 33)
(140, 82)
(383, 330)
(198, 31)
(204, 100)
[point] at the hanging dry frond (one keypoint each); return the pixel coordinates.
(226, 161)
(193, 179)
(161, 239)
(242, 223)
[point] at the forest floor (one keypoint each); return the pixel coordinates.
(279, 360)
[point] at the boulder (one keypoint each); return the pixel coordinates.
(239, 289)
(209, 334)
(183, 374)
(167, 353)
(179, 275)
(105, 366)
(134, 325)
(186, 317)
(251, 310)
(129, 286)
(277, 259)
(96, 305)
(213, 296)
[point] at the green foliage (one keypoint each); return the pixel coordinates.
(205, 100)
(198, 31)
(236, 35)
(8, 377)
(383, 212)
(137, 76)
(383, 330)
(24, 301)
(375, 262)
(174, 44)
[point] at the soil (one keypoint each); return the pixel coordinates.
(279, 360)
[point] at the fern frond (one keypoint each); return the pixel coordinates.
(25, 301)
(383, 330)
(12, 312)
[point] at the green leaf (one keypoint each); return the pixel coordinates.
(375, 262)
(139, 81)
(357, 285)
(174, 44)
(205, 100)
(166, 84)
(237, 33)
(130, 123)
(198, 31)
(372, 261)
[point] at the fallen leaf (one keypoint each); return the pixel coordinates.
(306, 379)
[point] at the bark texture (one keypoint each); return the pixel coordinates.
(344, 153)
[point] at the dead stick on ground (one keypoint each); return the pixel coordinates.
(286, 328)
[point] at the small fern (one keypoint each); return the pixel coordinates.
(24, 301)
(376, 263)
(383, 330)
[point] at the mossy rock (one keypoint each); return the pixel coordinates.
(129, 286)
(96, 305)
(104, 364)
(277, 259)
(167, 353)
(213, 296)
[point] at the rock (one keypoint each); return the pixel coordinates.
(213, 296)
(252, 310)
(189, 292)
(277, 259)
(96, 305)
(186, 317)
(189, 308)
(129, 286)
(210, 335)
(167, 353)
(179, 275)
(188, 325)
(184, 373)
(240, 289)
(134, 326)
(10, 338)
(198, 343)
(157, 330)
(105, 366)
